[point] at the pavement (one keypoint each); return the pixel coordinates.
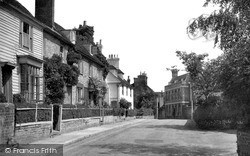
(76, 136)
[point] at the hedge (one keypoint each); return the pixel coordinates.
(25, 116)
(217, 117)
(72, 113)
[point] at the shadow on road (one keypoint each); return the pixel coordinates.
(140, 149)
(189, 125)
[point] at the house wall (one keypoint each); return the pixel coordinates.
(52, 46)
(127, 96)
(10, 48)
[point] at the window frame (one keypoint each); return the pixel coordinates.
(22, 35)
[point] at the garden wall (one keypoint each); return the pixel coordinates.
(6, 122)
(29, 132)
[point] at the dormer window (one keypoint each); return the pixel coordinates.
(25, 36)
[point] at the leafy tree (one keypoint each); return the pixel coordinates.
(203, 75)
(57, 75)
(231, 26)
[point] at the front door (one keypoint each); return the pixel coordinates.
(7, 82)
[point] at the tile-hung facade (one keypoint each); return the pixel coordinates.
(91, 69)
(118, 87)
(21, 52)
(176, 97)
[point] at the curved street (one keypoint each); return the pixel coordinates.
(157, 137)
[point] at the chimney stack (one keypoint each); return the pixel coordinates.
(84, 23)
(174, 72)
(128, 80)
(44, 11)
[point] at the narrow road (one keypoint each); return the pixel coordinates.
(157, 137)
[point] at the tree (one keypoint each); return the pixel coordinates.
(124, 103)
(203, 75)
(231, 26)
(57, 75)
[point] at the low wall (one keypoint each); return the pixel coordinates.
(78, 124)
(6, 122)
(29, 132)
(243, 143)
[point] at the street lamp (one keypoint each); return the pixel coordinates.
(191, 100)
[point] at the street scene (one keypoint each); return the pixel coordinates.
(116, 77)
(157, 137)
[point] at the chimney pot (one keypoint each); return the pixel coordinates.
(84, 23)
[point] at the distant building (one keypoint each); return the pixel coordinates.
(118, 87)
(141, 88)
(176, 97)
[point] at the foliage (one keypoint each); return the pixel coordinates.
(25, 116)
(103, 59)
(145, 112)
(57, 75)
(72, 113)
(100, 89)
(124, 103)
(2, 97)
(18, 99)
(203, 75)
(118, 111)
(132, 112)
(232, 29)
(73, 57)
(144, 97)
(218, 117)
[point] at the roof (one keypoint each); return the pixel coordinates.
(18, 6)
(179, 78)
(57, 32)
(119, 71)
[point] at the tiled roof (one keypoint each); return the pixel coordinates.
(179, 78)
(19, 6)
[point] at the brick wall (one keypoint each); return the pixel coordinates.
(6, 122)
(29, 132)
(243, 143)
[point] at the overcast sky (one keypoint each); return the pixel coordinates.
(144, 33)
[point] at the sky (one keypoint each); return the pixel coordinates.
(145, 34)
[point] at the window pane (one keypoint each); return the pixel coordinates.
(26, 28)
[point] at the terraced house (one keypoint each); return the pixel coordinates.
(21, 52)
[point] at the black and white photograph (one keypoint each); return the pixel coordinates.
(124, 78)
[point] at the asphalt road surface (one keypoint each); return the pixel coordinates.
(157, 137)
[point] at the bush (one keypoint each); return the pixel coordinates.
(18, 99)
(2, 97)
(73, 113)
(108, 112)
(25, 116)
(217, 117)
(44, 115)
(118, 111)
(132, 112)
(145, 112)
